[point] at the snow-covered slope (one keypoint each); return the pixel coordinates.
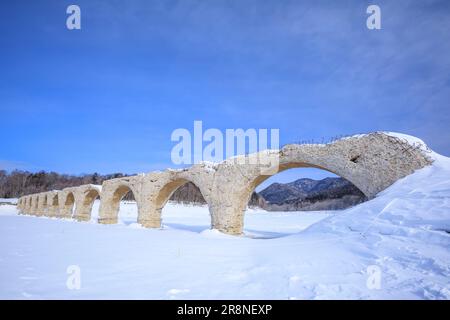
(394, 246)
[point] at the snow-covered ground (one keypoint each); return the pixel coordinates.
(8, 201)
(396, 246)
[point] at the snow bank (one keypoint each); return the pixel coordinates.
(8, 200)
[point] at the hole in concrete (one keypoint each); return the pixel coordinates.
(355, 159)
(184, 207)
(70, 204)
(92, 201)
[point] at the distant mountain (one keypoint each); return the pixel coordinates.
(309, 194)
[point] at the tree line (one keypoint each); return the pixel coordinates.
(19, 183)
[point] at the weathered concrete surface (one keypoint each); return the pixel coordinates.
(84, 197)
(52, 203)
(371, 162)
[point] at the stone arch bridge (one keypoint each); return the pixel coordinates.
(372, 162)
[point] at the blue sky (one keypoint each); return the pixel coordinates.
(106, 98)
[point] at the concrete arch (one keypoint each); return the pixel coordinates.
(26, 205)
(35, 205)
(66, 202)
(86, 197)
(42, 204)
(164, 190)
(113, 192)
(29, 205)
(165, 193)
(52, 204)
(32, 205)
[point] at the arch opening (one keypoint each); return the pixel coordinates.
(91, 204)
(55, 202)
(53, 206)
(35, 205)
(183, 206)
(69, 205)
(299, 194)
(44, 206)
(124, 200)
